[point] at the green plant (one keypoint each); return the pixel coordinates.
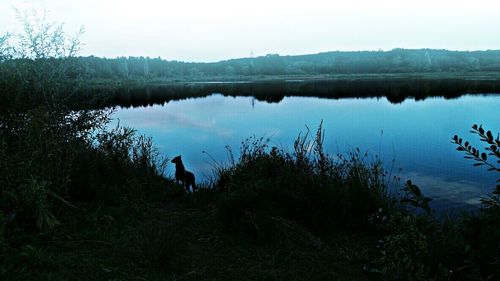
(5, 48)
(482, 158)
(414, 197)
(53, 154)
(418, 248)
(306, 186)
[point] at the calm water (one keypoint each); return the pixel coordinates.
(417, 134)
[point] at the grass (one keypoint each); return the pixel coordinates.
(174, 241)
(247, 232)
(142, 81)
(270, 215)
(79, 202)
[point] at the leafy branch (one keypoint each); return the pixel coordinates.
(414, 197)
(481, 158)
(44, 39)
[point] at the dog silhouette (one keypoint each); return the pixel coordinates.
(181, 175)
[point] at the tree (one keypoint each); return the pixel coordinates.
(41, 135)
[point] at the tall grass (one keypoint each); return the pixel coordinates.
(306, 185)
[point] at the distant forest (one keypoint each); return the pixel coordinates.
(394, 61)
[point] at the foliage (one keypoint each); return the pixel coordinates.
(53, 157)
(419, 247)
(37, 62)
(306, 186)
(43, 39)
(481, 158)
(404, 252)
(414, 197)
(393, 61)
(5, 48)
(79, 197)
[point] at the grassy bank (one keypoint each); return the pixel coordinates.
(80, 201)
(144, 81)
(270, 214)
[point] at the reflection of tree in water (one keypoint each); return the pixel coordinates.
(270, 98)
(396, 90)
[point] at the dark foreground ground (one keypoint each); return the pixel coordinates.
(181, 239)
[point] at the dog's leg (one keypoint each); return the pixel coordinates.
(186, 186)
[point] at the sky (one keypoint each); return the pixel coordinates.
(189, 30)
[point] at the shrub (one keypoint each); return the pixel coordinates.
(52, 155)
(306, 186)
(419, 247)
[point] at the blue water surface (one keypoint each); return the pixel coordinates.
(416, 134)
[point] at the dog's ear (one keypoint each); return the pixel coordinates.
(176, 159)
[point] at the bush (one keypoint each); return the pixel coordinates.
(419, 247)
(52, 155)
(99, 171)
(306, 186)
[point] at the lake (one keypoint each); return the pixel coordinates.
(415, 133)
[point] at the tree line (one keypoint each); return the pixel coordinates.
(361, 62)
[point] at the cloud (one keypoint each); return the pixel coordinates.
(167, 121)
(446, 192)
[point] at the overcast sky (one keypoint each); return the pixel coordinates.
(214, 30)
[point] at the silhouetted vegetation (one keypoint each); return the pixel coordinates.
(53, 158)
(81, 201)
(362, 62)
(305, 186)
(484, 159)
(395, 90)
(267, 187)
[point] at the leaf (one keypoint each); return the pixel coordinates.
(415, 190)
(466, 144)
(484, 156)
(474, 126)
(460, 148)
(489, 135)
(478, 164)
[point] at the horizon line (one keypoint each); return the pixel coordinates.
(291, 55)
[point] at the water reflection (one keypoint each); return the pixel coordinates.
(394, 90)
(416, 134)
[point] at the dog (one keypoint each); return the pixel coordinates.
(181, 175)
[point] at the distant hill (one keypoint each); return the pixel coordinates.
(328, 63)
